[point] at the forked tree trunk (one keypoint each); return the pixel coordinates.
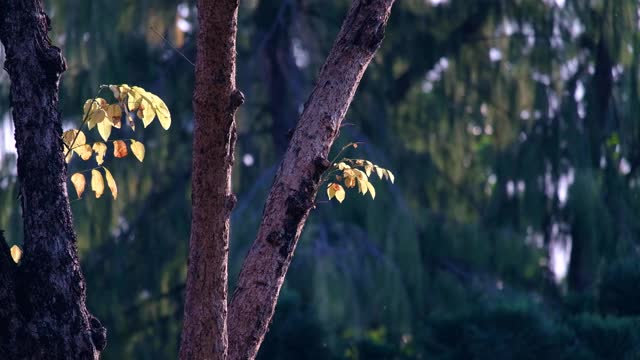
(43, 314)
(293, 192)
(215, 101)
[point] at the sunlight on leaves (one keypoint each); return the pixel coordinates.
(79, 182)
(352, 172)
(114, 113)
(16, 253)
(120, 149)
(111, 182)
(100, 149)
(97, 183)
(100, 114)
(137, 148)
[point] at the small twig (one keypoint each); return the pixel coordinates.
(171, 45)
(86, 117)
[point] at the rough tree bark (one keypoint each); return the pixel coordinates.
(293, 192)
(215, 101)
(43, 313)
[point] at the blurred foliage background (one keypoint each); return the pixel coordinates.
(512, 127)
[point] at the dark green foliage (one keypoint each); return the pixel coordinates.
(498, 162)
(608, 337)
(501, 333)
(296, 333)
(620, 288)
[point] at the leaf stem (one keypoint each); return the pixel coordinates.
(86, 117)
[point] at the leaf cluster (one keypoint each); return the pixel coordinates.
(103, 116)
(354, 173)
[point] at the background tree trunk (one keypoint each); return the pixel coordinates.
(215, 101)
(293, 192)
(43, 313)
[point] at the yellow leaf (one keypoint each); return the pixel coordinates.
(146, 112)
(360, 174)
(340, 194)
(372, 190)
(69, 135)
(97, 184)
(133, 98)
(362, 185)
(120, 149)
(111, 182)
(124, 90)
(342, 166)
(331, 192)
(89, 106)
(79, 182)
(350, 182)
(391, 177)
(100, 149)
(16, 253)
(114, 113)
(368, 167)
(104, 128)
(379, 171)
(161, 109)
(68, 139)
(84, 151)
(97, 117)
(137, 148)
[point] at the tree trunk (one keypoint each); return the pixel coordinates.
(215, 101)
(293, 192)
(43, 313)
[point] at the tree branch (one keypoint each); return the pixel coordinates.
(215, 101)
(297, 181)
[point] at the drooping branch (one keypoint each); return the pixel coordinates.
(50, 315)
(215, 101)
(297, 181)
